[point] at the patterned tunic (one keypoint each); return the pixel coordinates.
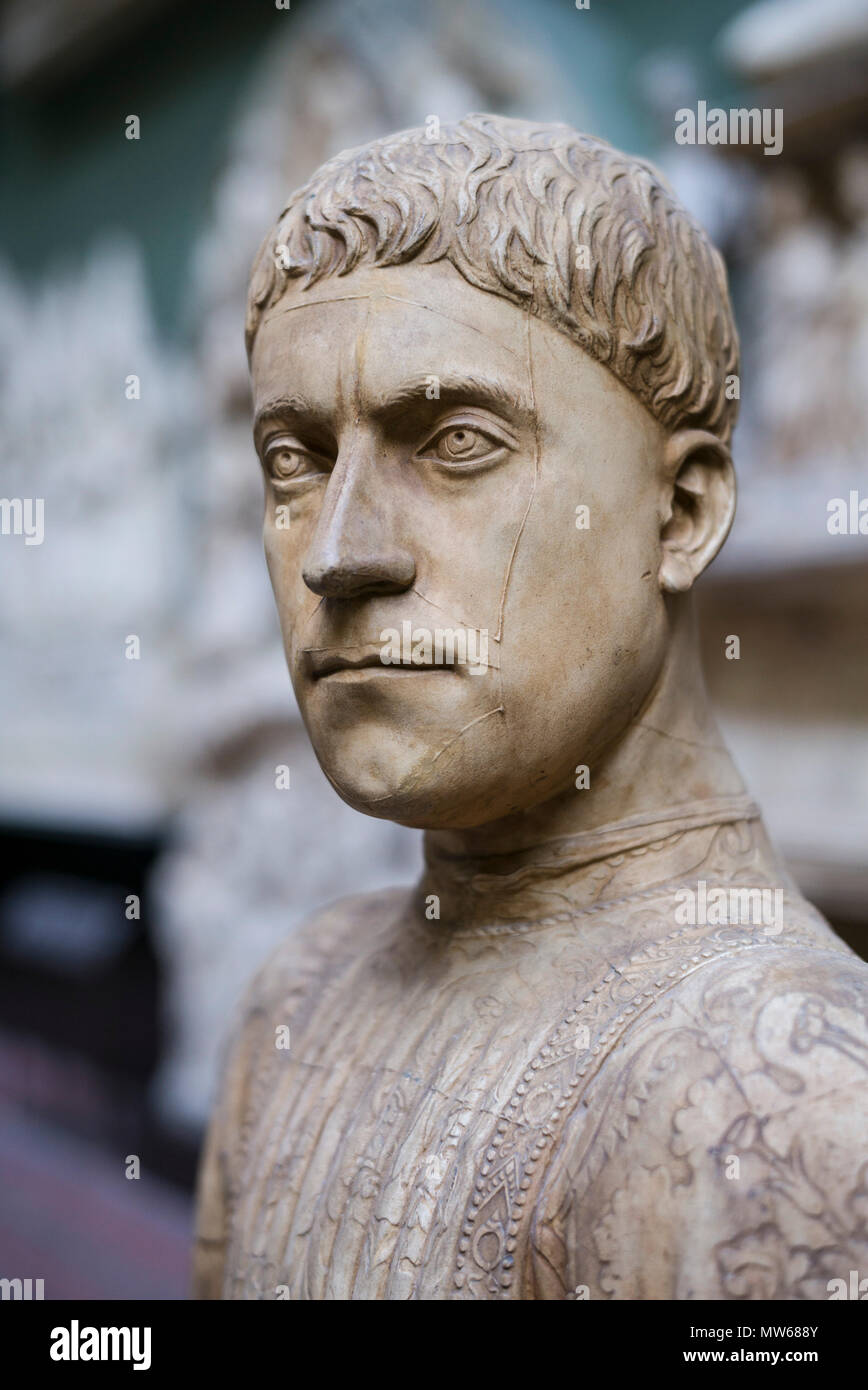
(601, 1103)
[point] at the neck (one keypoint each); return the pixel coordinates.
(667, 777)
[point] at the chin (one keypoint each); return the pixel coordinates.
(395, 776)
(426, 792)
(407, 792)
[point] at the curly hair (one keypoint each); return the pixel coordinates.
(509, 203)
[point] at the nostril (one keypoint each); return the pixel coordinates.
(353, 577)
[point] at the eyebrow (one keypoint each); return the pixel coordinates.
(453, 390)
(287, 407)
(458, 389)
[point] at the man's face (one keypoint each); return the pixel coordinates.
(426, 446)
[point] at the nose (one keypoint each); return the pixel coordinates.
(353, 551)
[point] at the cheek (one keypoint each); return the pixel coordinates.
(295, 602)
(584, 619)
(279, 562)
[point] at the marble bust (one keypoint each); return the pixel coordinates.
(604, 1049)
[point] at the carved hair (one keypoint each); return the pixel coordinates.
(510, 204)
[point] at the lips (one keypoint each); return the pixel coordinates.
(331, 661)
(328, 663)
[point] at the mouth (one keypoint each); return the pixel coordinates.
(324, 665)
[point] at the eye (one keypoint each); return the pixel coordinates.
(286, 461)
(462, 443)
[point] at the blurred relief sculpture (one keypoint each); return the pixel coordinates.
(604, 1049)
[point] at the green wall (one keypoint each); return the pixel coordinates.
(69, 174)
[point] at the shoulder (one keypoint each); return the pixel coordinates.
(763, 988)
(777, 1028)
(793, 999)
(287, 987)
(727, 1154)
(781, 1011)
(320, 947)
(789, 1026)
(740, 1113)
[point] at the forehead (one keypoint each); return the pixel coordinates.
(348, 341)
(435, 298)
(384, 323)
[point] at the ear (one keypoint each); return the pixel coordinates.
(698, 507)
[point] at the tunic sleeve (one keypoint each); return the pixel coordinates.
(221, 1153)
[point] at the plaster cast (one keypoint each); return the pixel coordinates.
(549, 1070)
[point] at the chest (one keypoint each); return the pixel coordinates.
(396, 1153)
(409, 1143)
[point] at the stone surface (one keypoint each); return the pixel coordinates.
(604, 1048)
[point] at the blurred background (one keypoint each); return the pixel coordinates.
(148, 861)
